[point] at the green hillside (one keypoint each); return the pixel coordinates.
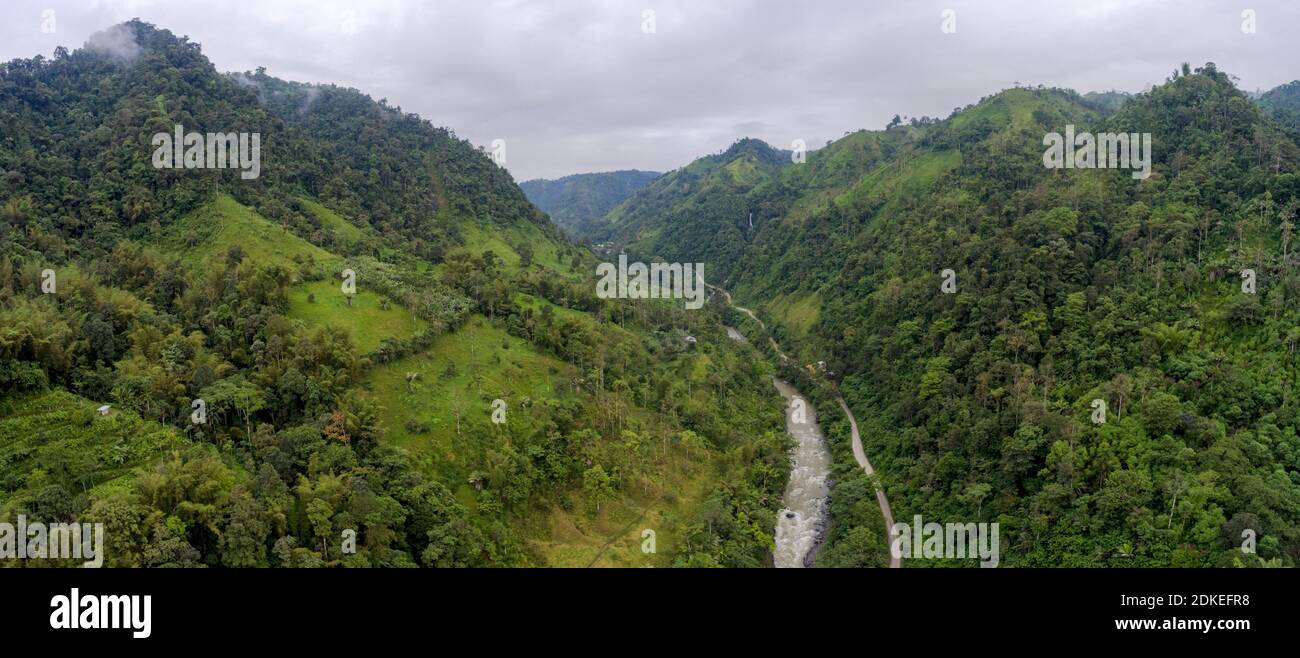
(181, 289)
(344, 232)
(369, 317)
(578, 203)
(1072, 286)
(210, 232)
(1283, 104)
(55, 441)
(459, 376)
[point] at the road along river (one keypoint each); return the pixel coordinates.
(800, 525)
(806, 503)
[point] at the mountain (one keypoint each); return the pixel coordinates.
(1283, 104)
(367, 349)
(1071, 289)
(1107, 101)
(696, 207)
(577, 202)
(367, 332)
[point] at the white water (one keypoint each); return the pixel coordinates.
(799, 525)
(802, 518)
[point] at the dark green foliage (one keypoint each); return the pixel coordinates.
(1283, 104)
(291, 457)
(577, 203)
(1071, 286)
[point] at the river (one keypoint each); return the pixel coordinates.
(799, 525)
(805, 505)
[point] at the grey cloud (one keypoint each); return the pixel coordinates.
(574, 85)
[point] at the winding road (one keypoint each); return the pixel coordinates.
(859, 454)
(750, 313)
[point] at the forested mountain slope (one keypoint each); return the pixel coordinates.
(696, 212)
(1283, 104)
(179, 294)
(1072, 285)
(578, 203)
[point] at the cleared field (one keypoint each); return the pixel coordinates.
(460, 374)
(56, 434)
(366, 320)
(797, 312)
(344, 231)
(209, 232)
(615, 537)
(504, 242)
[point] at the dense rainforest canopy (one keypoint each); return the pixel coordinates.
(1070, 286)
(577, 203)
(263, 413)
(970, 305)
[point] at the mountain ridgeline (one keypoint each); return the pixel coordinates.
(1068, 290)
(377, 352)
(577, 202)
(1283, 104)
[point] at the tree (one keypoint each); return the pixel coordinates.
(238, 394)
(243, 542)
(975, 495)
(598, 485)
(525, 251)
(320, 514)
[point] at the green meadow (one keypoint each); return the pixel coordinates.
(211, 230)
(323, 303)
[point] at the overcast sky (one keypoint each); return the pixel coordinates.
(580, 85)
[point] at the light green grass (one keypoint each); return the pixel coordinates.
(546, 252)
(912, 177)
(744, 171)
(537, 304)
(59, 432)
(210, 231)
(613, 536)
(368, 324)
(1015, 107)
(489, 364)
(795, 311)
(344, 230)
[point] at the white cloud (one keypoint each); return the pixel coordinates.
(116, 42)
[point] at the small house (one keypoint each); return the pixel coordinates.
(103, 411)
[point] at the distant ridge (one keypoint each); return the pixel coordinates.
(577, 202)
